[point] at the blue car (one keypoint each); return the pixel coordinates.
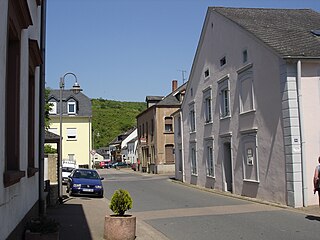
(86, 182)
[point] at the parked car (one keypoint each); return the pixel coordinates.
(120, 165)
(105, 164)
(65, 174)
(86, 182)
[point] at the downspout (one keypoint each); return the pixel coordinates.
(42, 86)
(302, 142)
(90, 143)
(182, 148)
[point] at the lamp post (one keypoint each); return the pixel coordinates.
(76, 89)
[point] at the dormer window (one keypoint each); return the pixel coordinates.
(53, 107)
(71, 107)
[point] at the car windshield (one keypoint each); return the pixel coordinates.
(86, 174)
(67, 169)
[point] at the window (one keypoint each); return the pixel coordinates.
(224, 97)
(206, 73)
(223, 61)
(209, 159)
(193, 156)
(192, 121)
(53, 107)
(249, 152)
(246, 90)
(71, 107)
(207, 105)
(244, 56)
(71, 134)
(18, 18)
(179, 126)
(168, 124)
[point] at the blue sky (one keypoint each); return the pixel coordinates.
(126, 50)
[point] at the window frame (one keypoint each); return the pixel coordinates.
(74, 104)
(207, 99)
(192, 118)
(193, 160)
(246, 74)
(224, 97)
(72, 134)
(209, 154)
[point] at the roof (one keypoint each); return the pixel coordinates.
(51, 137)
(287, 31)
(84, 103)
(171, 99)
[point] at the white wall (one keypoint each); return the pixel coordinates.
(16, 200)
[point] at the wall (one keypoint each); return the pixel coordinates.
(19, 199)
(80, 147)
(266, 117)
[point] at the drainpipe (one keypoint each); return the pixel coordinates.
(182, 148)
(302, 142)
(42, 210)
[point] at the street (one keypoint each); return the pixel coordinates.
(181, 212)
(167, 209)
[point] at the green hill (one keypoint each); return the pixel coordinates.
(110, 118)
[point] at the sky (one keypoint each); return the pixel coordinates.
(126, 50)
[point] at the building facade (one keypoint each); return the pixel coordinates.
(21, 88)
(76, 125)
(156, 132)
(249, 117)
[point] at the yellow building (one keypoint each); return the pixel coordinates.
(76, 125)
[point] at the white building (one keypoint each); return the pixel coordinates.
(21, 95)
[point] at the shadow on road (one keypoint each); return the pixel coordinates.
(73, 223)
(313, 218)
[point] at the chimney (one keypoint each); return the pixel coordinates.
(174, 85)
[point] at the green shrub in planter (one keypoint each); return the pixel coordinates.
(121, 201)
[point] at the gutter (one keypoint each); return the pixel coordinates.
(42, 209)
(302, 142)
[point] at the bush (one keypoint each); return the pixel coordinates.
(42, 225)
(121, 201)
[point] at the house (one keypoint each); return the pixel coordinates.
(124, 145)
(132, 150)
(22, 35)
(76, 125)
(115, 147)
(249, 120)
(156, 132)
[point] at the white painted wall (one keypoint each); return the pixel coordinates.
(18, 199)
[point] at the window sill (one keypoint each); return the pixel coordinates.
(12, 177)
(194, 174)
(247, 112)
(168, 132)
(225, 117)
(213, 177)
(208, 123)
(71, 139)
(251, 181)
(32, 171)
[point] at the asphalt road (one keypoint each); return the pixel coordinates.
(170, 210)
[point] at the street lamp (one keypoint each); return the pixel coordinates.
(76, 89)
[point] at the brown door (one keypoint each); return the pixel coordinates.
(169, 154)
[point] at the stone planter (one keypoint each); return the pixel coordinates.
(41, 236)
(119, 227)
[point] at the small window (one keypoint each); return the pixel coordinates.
(223, 61)
(206, 73)
(193, 161)
(71, 108)
(53, 107)
(71, 134)
(191, 92)
(168, 124)
(244, 56)
(192, 117)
